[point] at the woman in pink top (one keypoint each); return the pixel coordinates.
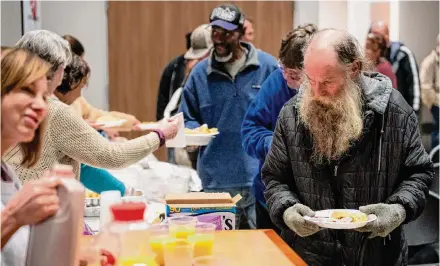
(373, 51)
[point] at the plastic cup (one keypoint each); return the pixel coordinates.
(178, 253)
(203, 244)
(203, 240)
(182, 226)
(205, 228)
(157, 246)
(160, 229)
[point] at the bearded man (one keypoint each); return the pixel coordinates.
(346, 141)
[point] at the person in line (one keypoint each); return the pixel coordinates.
(201, 46)
(261, 117)
(173, 78)
(374, 47)
(23, 109)
(249, 32)
(404, 65)
(217, 93)
(69, 139)
(429, 77)
(347, 140)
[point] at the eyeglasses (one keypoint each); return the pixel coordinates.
(290, 73)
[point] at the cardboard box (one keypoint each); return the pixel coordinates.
(217, 208)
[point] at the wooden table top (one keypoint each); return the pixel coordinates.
(251, 248)
(254, 248)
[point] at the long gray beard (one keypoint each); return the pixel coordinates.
(223, 59)
(334, 123)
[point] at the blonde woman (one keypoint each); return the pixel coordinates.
(23, 109)
(69, 139)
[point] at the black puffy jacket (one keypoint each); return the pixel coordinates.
(387, 164)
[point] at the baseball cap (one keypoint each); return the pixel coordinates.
(201, 42)
(228, 17)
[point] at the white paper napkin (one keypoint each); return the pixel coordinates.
(179, 141)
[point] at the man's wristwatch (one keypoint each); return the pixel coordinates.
(161, 136)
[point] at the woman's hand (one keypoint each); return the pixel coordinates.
(169, 128)
(36, 201)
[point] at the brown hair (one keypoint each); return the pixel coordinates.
(75, 45)
(20, 68)
(4, 49)
(292, 46)
(75, 74)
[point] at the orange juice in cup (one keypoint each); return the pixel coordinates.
(182, 226)
(157, 246)
(203, 244)
(203, 240)
(178, 253)
(182, 231)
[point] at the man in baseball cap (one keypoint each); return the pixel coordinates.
(217, 93)
(227, 23)
(201, 43)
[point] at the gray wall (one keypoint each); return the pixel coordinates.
(11, 22)
(85, 20)
(418, 30)
(419, 26)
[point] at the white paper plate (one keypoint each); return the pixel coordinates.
(109, 124)
(150, 126)
(199, 139)
(322, 220)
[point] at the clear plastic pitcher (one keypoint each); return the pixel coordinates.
(132, 232)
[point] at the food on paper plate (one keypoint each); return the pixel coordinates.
(201, 130)
(348, 217)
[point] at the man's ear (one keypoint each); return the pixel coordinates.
(355, 70)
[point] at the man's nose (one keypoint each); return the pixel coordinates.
(320, 90)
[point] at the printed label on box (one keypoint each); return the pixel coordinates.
(223, 217)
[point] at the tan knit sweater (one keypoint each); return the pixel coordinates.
(70, 140)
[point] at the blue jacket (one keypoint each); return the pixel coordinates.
(260, 120)
(211, 96)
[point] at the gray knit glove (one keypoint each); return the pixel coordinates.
(389, 217)
(293, 217)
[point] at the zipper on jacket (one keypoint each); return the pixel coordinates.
(385, 239)
(335, 171)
